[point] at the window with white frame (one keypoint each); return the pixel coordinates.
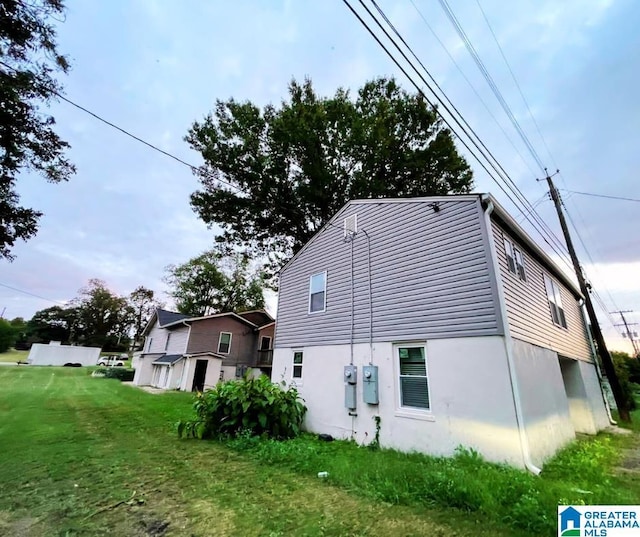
(317, 292)
(555, 302)
(265, 343)
(515, 259)
(414, 385)
(166, 344)
(224, 343)
(149, 344)
(297, 365)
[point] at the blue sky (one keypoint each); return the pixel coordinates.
(155, 67)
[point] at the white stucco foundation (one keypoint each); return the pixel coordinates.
(470, 396)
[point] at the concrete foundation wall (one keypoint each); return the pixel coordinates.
(594, 395)
(41, 354)
(545, 406)
(471, 399)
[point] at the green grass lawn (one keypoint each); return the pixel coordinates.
(13, 355)
(88, 456)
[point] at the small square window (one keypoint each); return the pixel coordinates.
(224, 343)
(317, 292)
(297, 365)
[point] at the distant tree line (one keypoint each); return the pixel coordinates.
(98, 317)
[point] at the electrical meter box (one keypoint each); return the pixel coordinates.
(350, 381)
(370, 384)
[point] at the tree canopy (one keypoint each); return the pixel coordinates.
(28, 60)
(214, 283)
(142, 302)
(272, 177)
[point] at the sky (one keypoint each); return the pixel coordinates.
(154, 67)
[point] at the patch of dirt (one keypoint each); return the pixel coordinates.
(154, 527)
(630, 461)
(20, 527)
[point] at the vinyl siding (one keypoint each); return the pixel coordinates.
(528, 311)
(429, 277)
(205, 334)
(177, 343)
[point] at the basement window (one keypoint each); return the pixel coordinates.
(297, 365)
(555, 302)
(414, 385)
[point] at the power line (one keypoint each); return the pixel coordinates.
(473, 88)
(515, 80)
(193, 168)
(600, 195)
(487, 76)
(32, 294)
(479, 145)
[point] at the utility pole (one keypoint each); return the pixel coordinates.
(628, 332)
(605, 357)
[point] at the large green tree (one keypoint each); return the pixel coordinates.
(28, 61)
(293, 166)
(50, 324)
(8, 335)
(102, 318)
(142, 302)
(214, 283)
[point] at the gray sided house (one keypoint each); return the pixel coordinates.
(442, 317)
(195, 353)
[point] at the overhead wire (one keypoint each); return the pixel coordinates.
(192, 167)
(471, 140)
(487, 76)
(515, 80)
(449, 12)
(473, 88)
(32, 294)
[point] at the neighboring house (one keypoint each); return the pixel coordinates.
(195, 353)
(476, 337)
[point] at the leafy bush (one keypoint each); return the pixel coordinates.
(7, 335)
(120, 373)
(622, 364)
(246, 407)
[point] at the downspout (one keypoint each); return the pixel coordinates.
(594, 355)
(508, 343)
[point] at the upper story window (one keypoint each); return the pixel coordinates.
(224, 343)
(265, 343)
(149, 344)
(555, 302)
(317, 292)
(515, 259)
(166, 344)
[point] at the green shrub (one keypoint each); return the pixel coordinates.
(246, 407)
(120, 373)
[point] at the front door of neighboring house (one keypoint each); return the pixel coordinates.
(155, 379)
(199, 375)
(164, 377)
